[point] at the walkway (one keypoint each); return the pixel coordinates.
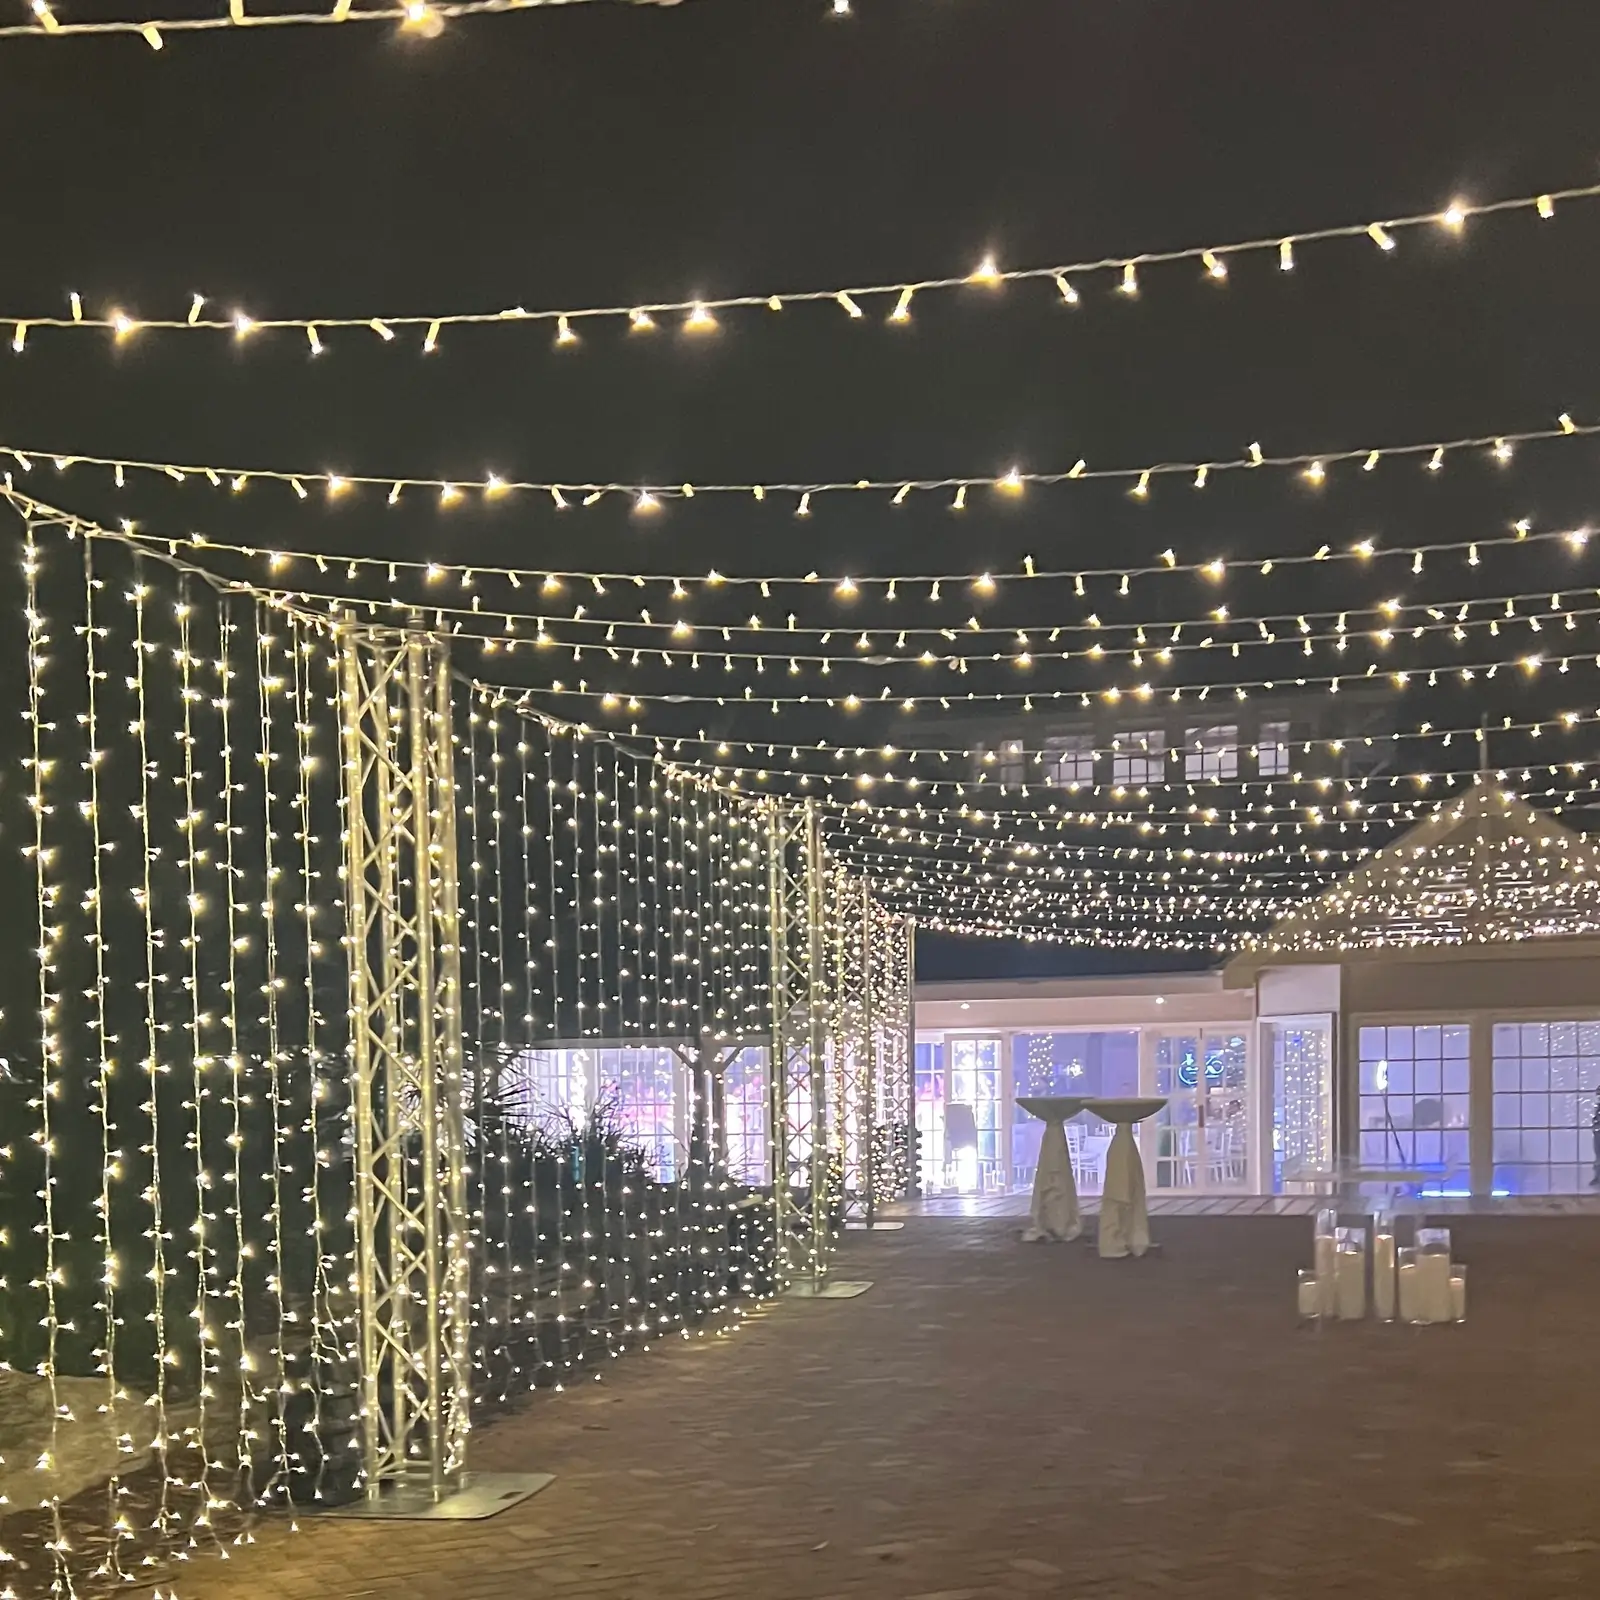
(997, 1420)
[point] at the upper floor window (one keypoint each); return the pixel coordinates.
(1069, 758)
(1272, 750)
(1013, 763)
(1139, 757)
(1211, 752)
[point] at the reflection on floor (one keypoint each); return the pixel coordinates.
(1268, 1205)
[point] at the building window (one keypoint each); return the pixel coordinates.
(646, 1092)
(1211, 752)
(1414, 1106)
(1013, 763)
(930, 1088)
(1069, 759)
(1272, 750)
(745, 1117)
(1546, 1076)
(1139, 757)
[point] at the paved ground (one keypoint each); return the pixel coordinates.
(994, 1419)
(1261, 1205)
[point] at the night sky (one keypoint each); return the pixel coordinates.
(606, 154)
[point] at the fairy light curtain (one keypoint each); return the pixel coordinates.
(1484, 868)
(183, 1256)
(178, 1250)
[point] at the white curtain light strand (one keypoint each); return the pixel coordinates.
(649, 499)
(189, 1193)
(425, 18)
(699, 317)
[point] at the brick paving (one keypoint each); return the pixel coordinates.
(995, 1419)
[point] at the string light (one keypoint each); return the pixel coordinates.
(700, 315)
(51, 1062)
(1435, 454)
(414, 15)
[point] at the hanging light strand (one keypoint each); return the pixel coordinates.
(570, 494)
(699, 316)
(422, 17)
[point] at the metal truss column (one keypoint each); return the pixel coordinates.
(894, 1047)
(798, 1082)
(403, 942)
(867, 1065)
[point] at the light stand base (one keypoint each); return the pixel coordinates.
(482, 1494)
(828, 1289)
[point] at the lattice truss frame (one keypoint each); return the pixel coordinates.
(403, 919)
(799, 1055)
(890, 979)
(852, 1058)
(870, 1017)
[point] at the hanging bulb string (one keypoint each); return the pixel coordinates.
(670, 745)
(415, 16)
(870, 643)
(525, 694)
(699, 316)
(1155, 655)
(1396, 679)
(1257, 815)
(990, 815)
(1012, 860)
(1122, 792)
(1214, 569)
(648, 498)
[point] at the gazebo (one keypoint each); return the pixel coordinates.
(1438, 1011)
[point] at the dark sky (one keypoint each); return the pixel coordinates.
(605, 154)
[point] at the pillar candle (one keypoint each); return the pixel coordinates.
(1309, 1301)
(1383, 1276)
(1350, 1284)
(1406, 1284)
(1323, 1259)
(1433, 1285)
(1458, 1292)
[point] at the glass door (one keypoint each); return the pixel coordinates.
(1298, 1052)
(1201, 1136)
(974, 1116)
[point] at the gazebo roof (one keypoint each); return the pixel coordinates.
(1484, 869)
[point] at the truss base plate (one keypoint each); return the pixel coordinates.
(830, 1289)
(874, 1227)
(482, 1494)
